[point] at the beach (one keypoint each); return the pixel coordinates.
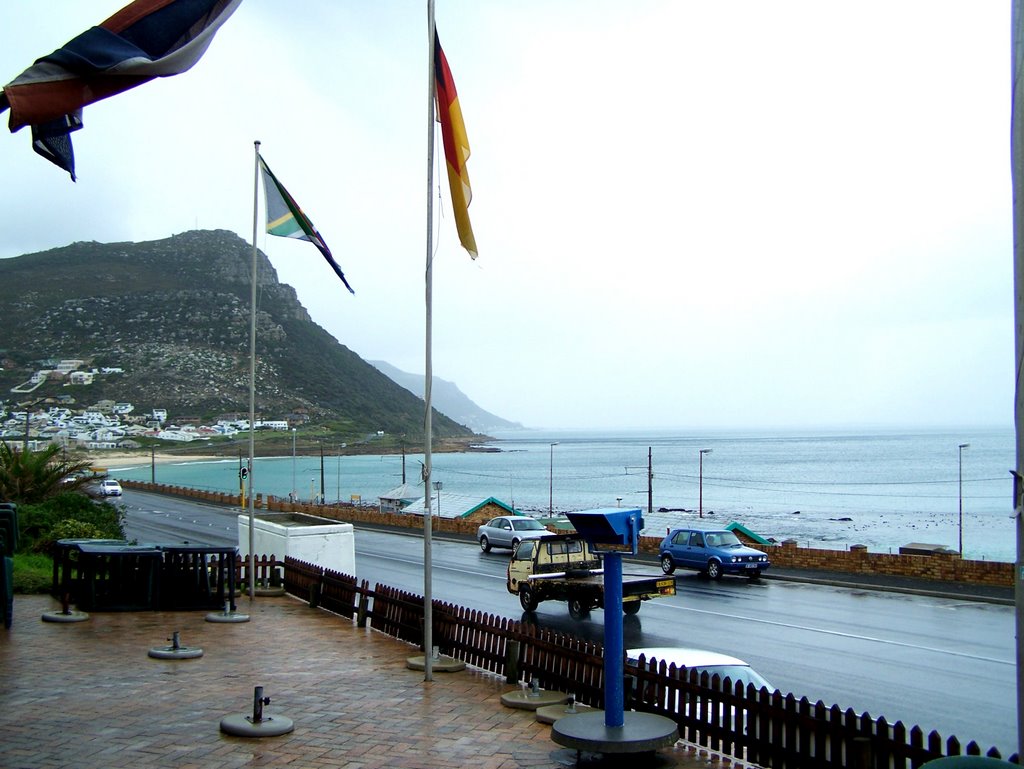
(108, 459)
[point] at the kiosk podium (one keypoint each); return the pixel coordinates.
(613, 532)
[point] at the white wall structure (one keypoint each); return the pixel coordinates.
(321, 541)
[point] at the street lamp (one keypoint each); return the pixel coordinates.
(437, 487)
(551, 478)
(960, 451)
(293, 466)
(700, 481)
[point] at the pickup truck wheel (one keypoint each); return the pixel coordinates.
(577, 610)
(667, 565)
(527, 599)
(631, 607)
(714, 569)
(485, 544)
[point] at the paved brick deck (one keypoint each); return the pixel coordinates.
(88, 695)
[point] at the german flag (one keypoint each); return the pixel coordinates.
(456, 147)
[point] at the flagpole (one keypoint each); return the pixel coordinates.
(252, 375)
(1017, 183)
(428, 427)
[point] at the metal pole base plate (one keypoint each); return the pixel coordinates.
(170, 653)
(551, 713)
(640, 733)
(440, 664)
(241, 725)
(528, 701)
(269, 592)
(60, 616)
(231, 616)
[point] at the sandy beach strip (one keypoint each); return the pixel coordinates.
(110, 459)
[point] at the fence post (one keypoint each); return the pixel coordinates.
(512, 662)
(363, 610)
(314, 595)
(629, 688)
(860, 748)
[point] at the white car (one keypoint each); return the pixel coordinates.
(701, 660)
(110, 488)
(713, 663)
(509, 531)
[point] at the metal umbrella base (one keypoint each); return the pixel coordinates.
(256, 725)
(639, 733)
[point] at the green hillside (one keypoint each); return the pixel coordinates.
(174, 315)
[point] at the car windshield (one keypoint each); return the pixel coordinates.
(722, 539)
(526, 524)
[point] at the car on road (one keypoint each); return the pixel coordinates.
(713, 552)
(508, 531)
(703, 661)
(110, 488)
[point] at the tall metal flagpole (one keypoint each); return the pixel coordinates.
(1017, 178)
(428, 426)
(252, 375)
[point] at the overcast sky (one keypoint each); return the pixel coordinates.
(689, 214)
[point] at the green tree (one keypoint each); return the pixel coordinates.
(68, 516)
(29, 477)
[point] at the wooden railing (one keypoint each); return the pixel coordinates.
(759, 727)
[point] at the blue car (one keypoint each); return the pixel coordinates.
(713, 552)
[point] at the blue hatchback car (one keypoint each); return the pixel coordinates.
(712, 551)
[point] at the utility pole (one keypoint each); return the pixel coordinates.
(700, 482)
(650, 480)
(322, 492)
(650, 483)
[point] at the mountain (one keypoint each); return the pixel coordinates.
(173, 317)
(449, 399)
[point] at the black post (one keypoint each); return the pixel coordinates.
(650, 483)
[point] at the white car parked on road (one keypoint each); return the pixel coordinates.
(110, 488)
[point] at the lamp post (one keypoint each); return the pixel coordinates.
(342, 446)
(551, 478)
(960, 451)
(700, 481)
(437, 487)
(294, 490)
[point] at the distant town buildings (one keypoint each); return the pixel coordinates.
(105, 424)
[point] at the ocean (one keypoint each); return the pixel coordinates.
(825, 489)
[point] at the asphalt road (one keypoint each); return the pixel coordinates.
(939, 663)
